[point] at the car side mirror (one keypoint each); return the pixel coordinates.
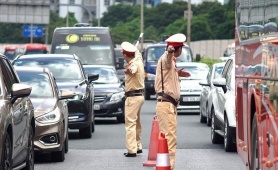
(92, 77)
(120, 64)
(220, 82)
(20, 90)
(204, 83)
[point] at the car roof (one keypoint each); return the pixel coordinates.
(98, 66)
(32, 69)
(83, 28)
(181, 64)
(47, 56)
(161, 44)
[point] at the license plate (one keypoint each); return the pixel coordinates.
(96, 107)
(190, 99)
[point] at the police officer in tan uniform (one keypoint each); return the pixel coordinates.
(134, 92)
(167, 87)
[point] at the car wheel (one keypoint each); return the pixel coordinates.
(147, 95)
(59, 156)
(215, 137)
(202, 118)
(7, 153)
(30, 155)
(208, 118)
(93, 125)
(255, 161)
(121, 119)
(67, 143)
(86, 132)
(229, 145)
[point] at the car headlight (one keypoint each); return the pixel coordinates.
(51, 117)
(117, 97)
(150, 76)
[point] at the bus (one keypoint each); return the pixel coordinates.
(31, 48)
(93, 45)
(256, 62)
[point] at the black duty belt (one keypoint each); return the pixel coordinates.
(169, 98)
(134, 93)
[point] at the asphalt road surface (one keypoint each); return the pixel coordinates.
(104, 151)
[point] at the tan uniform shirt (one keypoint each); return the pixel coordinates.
(171, 80)
(135, 81)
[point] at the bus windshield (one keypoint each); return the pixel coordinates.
(91, 48)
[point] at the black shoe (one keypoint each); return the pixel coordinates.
(130, 154)
(139, 151)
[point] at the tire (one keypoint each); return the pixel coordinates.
(93, 125)
(6, 161)
(229, 145)
(208, 118)
(67, 143)
(121, 119)
(215, 137)
(59, 156)
(31, 154)
(255, 161)
(86, 132)
(202, 118)
(147, 95)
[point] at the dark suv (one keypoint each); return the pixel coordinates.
(69, 75)
(17, 124)
(151, 55)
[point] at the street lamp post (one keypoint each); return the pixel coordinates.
(189, 15)
(142, 23)
(98, 23)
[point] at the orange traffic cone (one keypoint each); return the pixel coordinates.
(153, 144)
(162, 159)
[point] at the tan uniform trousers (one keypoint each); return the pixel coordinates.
(132, 123)
(167, 119)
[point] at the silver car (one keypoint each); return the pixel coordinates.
(190, 87)
(17, 123)
(207, 91)
(50, 109)
(223, 122)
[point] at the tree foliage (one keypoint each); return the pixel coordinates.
(211, 20)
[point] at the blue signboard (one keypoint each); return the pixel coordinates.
(37, 31)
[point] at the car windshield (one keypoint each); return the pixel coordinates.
(154, 53)
(37, 81)
(62, 69)
(196, 72)
(218, 71)
(106, 75)
(91, 54)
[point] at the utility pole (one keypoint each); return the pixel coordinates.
(67, 14)
(98, 23)
(142, 24)
(189, 15)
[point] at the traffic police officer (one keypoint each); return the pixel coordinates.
(134, 92)
(167, 87)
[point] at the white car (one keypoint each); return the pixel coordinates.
(190, 87)
(207, 92)
(223, 122)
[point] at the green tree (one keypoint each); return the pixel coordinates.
(200, 28)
